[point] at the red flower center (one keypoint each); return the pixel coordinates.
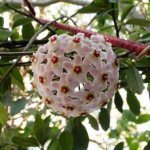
(53, 39)
(64, 89)
(116, 62)
(41, 79)
(70, 108)
(89, 97)
(54, 59)
(77, 69)
(76, 40)
(105, 77)
(96, 53)
(48, 101)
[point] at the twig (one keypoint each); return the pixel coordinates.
(12, 54)
(114, 20)
(25, 64)
(19, 44)
(25, 49)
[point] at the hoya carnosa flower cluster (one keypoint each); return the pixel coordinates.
(75, 75)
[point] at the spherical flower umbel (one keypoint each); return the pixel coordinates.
(75, 75)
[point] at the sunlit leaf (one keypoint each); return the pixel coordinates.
(3, 114)
(143, 118)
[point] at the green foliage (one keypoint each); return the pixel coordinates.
(134, 80)
(104, 119)
(21, 111)
(118, 102)
(133, 103)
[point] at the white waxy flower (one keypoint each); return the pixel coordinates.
(75, 75)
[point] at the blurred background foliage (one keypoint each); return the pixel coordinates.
(26, 123)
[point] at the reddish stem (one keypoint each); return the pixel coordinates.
(130, 45)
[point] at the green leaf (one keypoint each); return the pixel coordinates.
(0, 128)
(4, 34)
(80, 137)
(1, 22)
(143, 118)
(133, 102)
(119, 146)
(21, 21)
(126, 11)
(17, 106)
(3, 114)
(27, 31)
(41, 130)
(25, 141)
(134, 80)
(139, 22)
(133, 146)
(94, 7)
(118, 102)
(104, 119)
(66, 140)
(17, 78)
(93, 122)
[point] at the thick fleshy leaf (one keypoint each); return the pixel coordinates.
(133, 102)
(80, 137)
(66, 140)
(143, 118)
(27, 31)
(134, 80)
(119, 146)
(93, 122)
(104, 119)
(1, 21)
(118, 102)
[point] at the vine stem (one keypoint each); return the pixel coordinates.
(117, 42)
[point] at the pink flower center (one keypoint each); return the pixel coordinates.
(89, 97)
(64, 89)
(96, 53)
(77, 69)
(105, 77)
(53, 39)
(54, 59)
(76, 40)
